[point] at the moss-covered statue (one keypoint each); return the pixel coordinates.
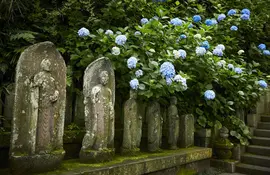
(132, 125)
(39, 110)
(99, 97)
(173, 124)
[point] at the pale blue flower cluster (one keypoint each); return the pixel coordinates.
(245, 14)
(115, 51)
(218, 52)
(205, 44)
(109, 32)
(200, 51)
(231, 12)
(262, 46)
(83, 32)
(182, 53)
(137, 33)
(238, 70)
(197, 18)
(209, 95)
(168, 81)
(144, 21)
(214, 22)
(220, 46)
(208, 22)
(183, 36)
(221, 63)
(176, 22)
(266, 52)
(139, 73)
(120, 40)
(132, 62)
(178, 78)
(245, 11)
(221, 17)
(134, 84)
(234, 28)
(231, 66)
(262, 83)
(167, 70)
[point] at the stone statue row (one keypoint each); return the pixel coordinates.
(39, 112)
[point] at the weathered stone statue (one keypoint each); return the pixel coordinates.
(39, 110)
(223, 145)
(99, 98)
(173, 124)
(186, 135)
(132, 125)
(154, 122)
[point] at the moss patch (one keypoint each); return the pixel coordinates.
(73, 164)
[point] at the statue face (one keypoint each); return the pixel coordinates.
(45, 65)
(173, 100)
(104, 77)
(133, 94)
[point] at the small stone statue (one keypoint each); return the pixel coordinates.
(173, 124)
(223, 145)
(132, 125)
(98, 142)
(154, 121)
(39, 110)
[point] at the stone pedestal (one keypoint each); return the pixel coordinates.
(236, 152)
(186, 135)
(95, 156)
(203, 138)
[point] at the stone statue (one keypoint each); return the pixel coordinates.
(223, 145)
(39, 110)
(154, 122)
(173, 124)
(132, 125)
(99, 98)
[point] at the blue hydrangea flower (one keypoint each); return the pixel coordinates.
(109, 32)
(205, 44)
(168, 81)
(218, 52)
(245, 17)
(167, 70)
(132, 62)
(183, 36)
(120, 40)
(83, 32)
(137, 33)
(246, 11)
(238, 70)
(214, 22)
(182, 53)
(190, 26)
(221, 46)
(209, 95)
(266, 52)
(197, 18)
(231, 12)
(262, 83)
(155, 18)
(139, 73)
(234, 28)
(176, 22)
(221, 63)
(230, 66)
(115, 51)
(200, 51)
(262, 46)
(144, 21)
(134, 84)
(209, 22)
(221, 17)
(177, 78)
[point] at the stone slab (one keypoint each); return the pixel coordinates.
(226, 165)
(146, 164)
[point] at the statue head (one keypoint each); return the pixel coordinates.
(133, 94)
(173, 100)
(104, 77)
(45, 65)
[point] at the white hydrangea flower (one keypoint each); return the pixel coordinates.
(198, 36)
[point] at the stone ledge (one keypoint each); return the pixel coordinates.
(227, 165)
(142, 164)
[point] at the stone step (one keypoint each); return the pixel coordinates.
(253, 159)
(259, 150)
(264, 125)
(262, 141)
(262, 133)
(252, 169)
(265, 118)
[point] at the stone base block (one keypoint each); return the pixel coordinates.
(96, 156)
(226, 165)
(130, 152)
(21, 165)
